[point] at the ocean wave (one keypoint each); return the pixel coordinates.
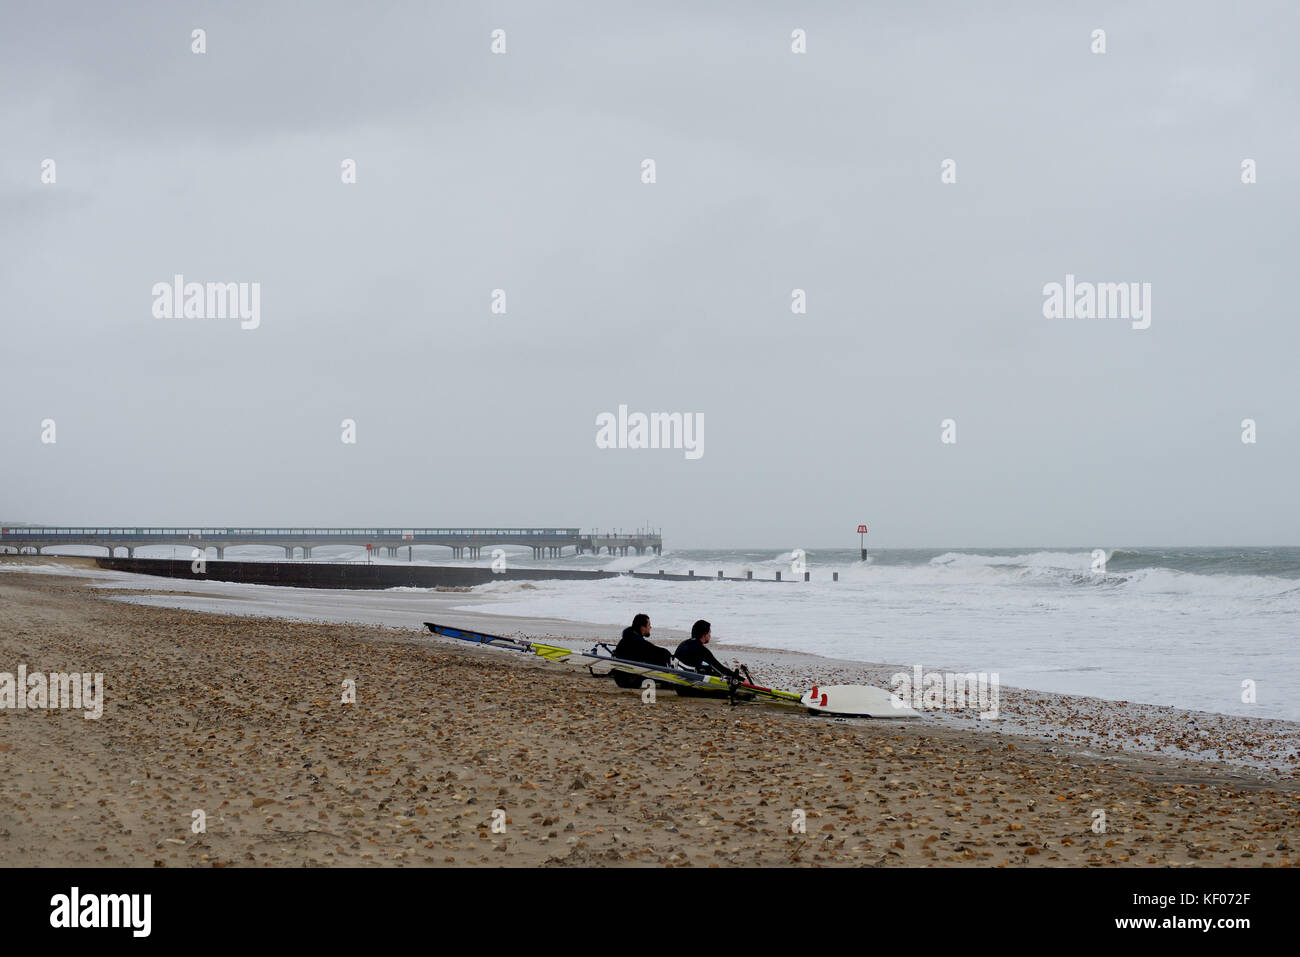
(1038, 570)
(1079, 561)
(1172, 581)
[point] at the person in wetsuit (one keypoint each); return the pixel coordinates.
(694, 653)
(636, 646)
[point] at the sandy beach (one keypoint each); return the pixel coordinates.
(241, 717)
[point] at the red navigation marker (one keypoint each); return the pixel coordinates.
(862, 529)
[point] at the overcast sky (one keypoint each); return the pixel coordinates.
(775, 171)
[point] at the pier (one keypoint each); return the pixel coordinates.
(639, 542)
(463, 542)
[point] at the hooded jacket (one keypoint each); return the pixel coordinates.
(633, 647)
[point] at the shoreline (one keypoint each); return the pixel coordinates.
(240, 717)
(1269, 746)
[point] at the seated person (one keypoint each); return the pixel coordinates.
(635, 646)
(694, 654)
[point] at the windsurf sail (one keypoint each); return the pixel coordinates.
(846, 701)
(549, 652)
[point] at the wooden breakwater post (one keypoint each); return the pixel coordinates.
(719, 574)
(805, 575)
(749, 576)
(778, 576)
(835, 576)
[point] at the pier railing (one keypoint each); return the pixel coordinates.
(545, 542)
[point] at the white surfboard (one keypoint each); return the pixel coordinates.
(857, 701)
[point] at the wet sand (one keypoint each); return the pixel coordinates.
(241, 717)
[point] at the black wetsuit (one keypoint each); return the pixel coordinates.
(695, 654)
(633, 647)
